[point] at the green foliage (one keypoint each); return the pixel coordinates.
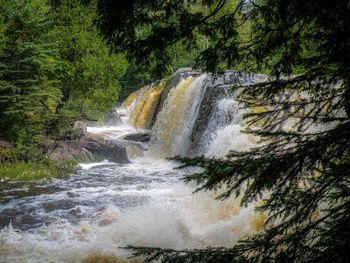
(8, 155)
(29, 171)
(132, 80)
(23, 171)
(27, 71)
(137, 75)
(90, 72)
(304, 168)
(158, 35)
(55, 68)
(211, 255)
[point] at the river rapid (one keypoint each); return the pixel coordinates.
(105, 206)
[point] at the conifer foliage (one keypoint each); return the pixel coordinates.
(303, 160)
(29, 62)
(55, 68)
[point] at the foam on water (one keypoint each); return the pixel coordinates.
(150, 206)
(86, 166)
(105, 206)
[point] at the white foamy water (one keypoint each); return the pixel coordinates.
(105, 206)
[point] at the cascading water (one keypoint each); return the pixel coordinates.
(172, 130)
(131, 99)
(224, 130)
(144, 106)
(105, 206)
(173, 133)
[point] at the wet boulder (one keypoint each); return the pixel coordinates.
(25, 221)
(113, 151)
(63, 204)
(87, 147)
(138, 137)
(6, 216)
(212, 95)
(66, 151)
(92, 123)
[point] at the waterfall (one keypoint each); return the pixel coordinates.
(131, 99)
(174, 124)
(143, 113)
(223, 132)
(142, 105)
(200, 115)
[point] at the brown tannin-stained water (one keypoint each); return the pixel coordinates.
(105, 206)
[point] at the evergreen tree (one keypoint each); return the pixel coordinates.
(55, 68)
(306, 167)
(28, 63)
(156, 33)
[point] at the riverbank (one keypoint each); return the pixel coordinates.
(29, 171)
(61, 158)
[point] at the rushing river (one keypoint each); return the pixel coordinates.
(105, 206)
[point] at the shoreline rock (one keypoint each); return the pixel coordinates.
(88, 147)
(138, 137)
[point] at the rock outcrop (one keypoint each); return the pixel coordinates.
(138, 137)
(219, 86)
(90, 147)
(181, 74)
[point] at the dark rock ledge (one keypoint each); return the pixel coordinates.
(137, 137)
(90, 147)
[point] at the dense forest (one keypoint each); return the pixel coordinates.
(63, 61)
(55, 69)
